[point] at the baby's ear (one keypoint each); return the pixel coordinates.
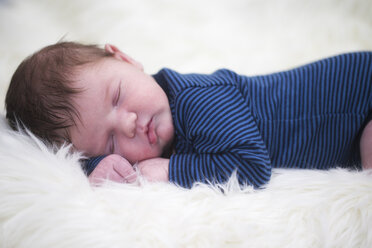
(122, 56)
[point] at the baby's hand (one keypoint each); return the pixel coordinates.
(154, 169)
(114, 168)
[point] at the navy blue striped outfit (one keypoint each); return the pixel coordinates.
(308, 117)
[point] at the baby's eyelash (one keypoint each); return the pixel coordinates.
(116, 101)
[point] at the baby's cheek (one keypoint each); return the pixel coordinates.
(166, 134)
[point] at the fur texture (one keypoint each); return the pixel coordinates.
(46, 200)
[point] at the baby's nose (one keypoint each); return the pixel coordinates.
(128, 124)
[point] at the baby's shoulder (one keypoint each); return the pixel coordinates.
(181, 81)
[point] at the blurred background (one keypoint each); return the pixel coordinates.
(248, 36)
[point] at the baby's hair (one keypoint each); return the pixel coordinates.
(42, 88)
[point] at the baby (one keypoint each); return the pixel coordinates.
(187, 128)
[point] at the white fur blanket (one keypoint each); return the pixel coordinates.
(45, 199)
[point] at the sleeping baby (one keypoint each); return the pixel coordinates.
(187, 128)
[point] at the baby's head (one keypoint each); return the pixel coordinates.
(41, 89)
(98, 99)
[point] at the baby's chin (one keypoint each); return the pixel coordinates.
(158, 150)
(144, 156)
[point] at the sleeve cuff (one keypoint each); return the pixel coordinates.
(90, 164)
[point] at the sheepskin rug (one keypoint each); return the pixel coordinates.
(46, 200)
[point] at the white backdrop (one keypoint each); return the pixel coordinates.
(45, 199)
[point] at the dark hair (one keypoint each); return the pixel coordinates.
(41, 89)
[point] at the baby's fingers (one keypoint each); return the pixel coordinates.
(126, 171)
(116, 177)
(114, 168)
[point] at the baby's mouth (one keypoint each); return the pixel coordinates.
(151, 135)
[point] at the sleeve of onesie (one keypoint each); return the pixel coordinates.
(217, 136)
(88, 165)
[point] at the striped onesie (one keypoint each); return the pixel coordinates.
(308, 117)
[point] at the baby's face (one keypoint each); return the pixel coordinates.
(123, 111)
